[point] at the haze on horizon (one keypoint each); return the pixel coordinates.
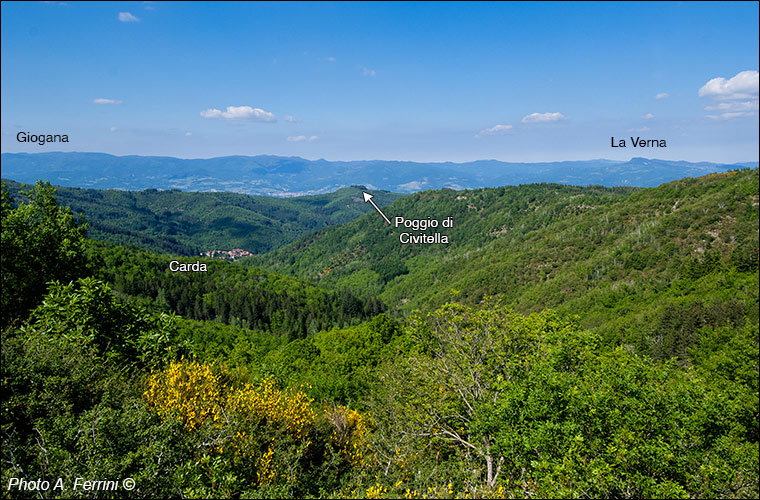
(429, 82)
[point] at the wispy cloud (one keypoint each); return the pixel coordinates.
(188, 134)
(733, 106)
(733, 98)
(302, 138)
(127, 17)
(495, 130)
(648, 116)
(640, 129)
(730, 115)
(113, 129)
(101, 100)
(662, 95)
(239, 113)
(331, 59)
(733, 109)
(543, 117)
(369, 72)
(290, 119)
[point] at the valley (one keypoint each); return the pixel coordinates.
(622, 318)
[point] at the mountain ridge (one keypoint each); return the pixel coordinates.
(282, 176)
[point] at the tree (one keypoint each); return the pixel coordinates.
(72, 394)
(41, 242)
(533, 405)
(86, 312)
(467, 355)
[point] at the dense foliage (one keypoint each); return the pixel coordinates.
(243, 383)
(648, 267)
(532, 404)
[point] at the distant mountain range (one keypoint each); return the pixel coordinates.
(294, 176)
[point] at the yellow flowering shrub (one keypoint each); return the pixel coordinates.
(288, 410)
(264, 430)
(378, 490)
(196, 393)
(350, 434)
(188, 391)
(265, 472)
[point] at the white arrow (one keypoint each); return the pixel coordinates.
(368, 198)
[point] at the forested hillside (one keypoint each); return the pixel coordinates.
(184, 223)
(644, 268)
(570, 342)
(228, 293)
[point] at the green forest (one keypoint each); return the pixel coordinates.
(180, 223)
(573, 342)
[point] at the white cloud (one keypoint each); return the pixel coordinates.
(369, 72)
(290, 119)
(113, 129)
(543, 117)
(331, 59)
(662, 95)
(239, 113)
(742, 86)
(188, 134)
(302, 138)
(735, 97)
(640, 129)
(648, 116)
(126, 17)
(495, 130)
(101, 100)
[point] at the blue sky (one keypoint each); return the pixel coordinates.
(409, 81)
